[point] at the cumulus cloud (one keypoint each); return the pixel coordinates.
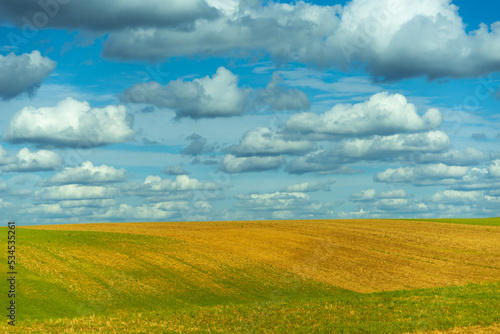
(88, 173)
(76, 192)
(284, 205)
(395, 203)
(386, 198)
(426, 175)
(455, 197)
(181, 183)
(70, 124)
(23, 74)
(279, 97)
(455, 177)
(363, 196)
(207, 97)
(153, 212)
(375, 148)
(5, 158)
(466, 157)
(243, 25)
(263, 141)
(273, 201)
(232, 164)
(398, 193)
(392, 38)
(175, 170)
(27, 161)
(307, 187)
(112, 15)
(382, 114)
(385, 147)
(3, 186)
(156, 189)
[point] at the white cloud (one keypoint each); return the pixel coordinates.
(232, 164)
(284, 205)
(363, 196)
(467, 157)
(5, 158)
(456, 177)
(156, 189)
(125, 212)
(263, 141)
(307, 187)
(71, 124)
(434, 174)
(26, 161)
(375, 148)
(398, 193)
(385, 147)
(453, 196)
(382, 114)
(76, 192)
(154, 212)
(88, 173)
(3, 186)
(274, 201)
(395, 39)
(494, 168)
(218, 96)
(181, 183)
(23, 74)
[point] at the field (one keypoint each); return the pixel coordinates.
(342, 276)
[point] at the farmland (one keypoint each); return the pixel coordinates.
(346, 276)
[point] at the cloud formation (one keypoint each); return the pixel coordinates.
(232, 164)
(207, 97)
(99, 16)
(26, 161)
(455, 177)
(87, 173)
(155, 187)
(70, 124)
(76, 192)
(263, 141)
(23, 74)
(375, 148)
(308, 187)
(383, 114)
(390, 37)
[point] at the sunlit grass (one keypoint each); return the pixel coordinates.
(495, 221)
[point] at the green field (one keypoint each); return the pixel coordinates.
(468, 221)
(81, 281)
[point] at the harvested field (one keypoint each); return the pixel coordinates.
(358, 255)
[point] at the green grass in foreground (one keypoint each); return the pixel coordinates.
(120, 283)
(388, 312)
(467, 221)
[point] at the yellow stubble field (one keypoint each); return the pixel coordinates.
(358, 255)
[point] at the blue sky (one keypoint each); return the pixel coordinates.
(229, 110)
